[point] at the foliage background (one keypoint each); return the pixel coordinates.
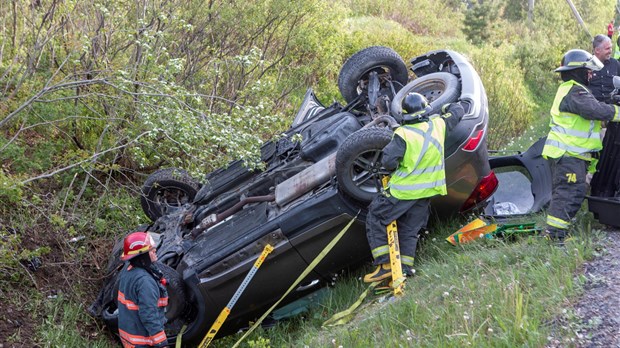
(97, 94)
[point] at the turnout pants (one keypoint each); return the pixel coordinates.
(568, 192)
(410, 217)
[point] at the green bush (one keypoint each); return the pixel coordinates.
(480, 21)
(10, 190)
(15, 259)
(414, 17)
(510, 104)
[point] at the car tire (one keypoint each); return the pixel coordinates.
(167, 187)
(109, 313)
(439, 88)
(375, 58)
(358, 163)
(176, 291)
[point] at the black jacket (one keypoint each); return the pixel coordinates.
(601, 83)
(581, 102)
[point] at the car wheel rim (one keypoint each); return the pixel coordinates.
(367, 172)
(431, 91)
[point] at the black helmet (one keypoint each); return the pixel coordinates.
(577, 59)
(415, 103)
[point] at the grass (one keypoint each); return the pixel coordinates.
(66, 326)
(539, 126)
(490, 293)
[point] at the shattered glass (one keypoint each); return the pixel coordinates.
(514, 192)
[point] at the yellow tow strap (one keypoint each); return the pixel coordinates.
(180, 337)
(226, 311)
(307, 271)
(346, 315)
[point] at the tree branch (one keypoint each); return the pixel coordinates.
(50, 174)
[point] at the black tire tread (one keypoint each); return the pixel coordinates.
(364, 60)
(363, 140)
(168, 177)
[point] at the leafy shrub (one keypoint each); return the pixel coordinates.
(10, 190)
(412, 16)
(15, 259)
(480, 21)
(510, 105)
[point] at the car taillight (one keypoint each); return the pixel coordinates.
(484, 190)
(472, 143)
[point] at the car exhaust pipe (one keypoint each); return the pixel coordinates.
(306, 180)
(213, 219)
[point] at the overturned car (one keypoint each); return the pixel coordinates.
(317, 178)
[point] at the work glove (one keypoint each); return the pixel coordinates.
(445, 107)
(448, 110)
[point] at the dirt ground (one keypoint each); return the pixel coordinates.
(594, 319)
(51, 276)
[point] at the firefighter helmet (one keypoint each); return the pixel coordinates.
(415, 103)
(135, 244)
(578, 59)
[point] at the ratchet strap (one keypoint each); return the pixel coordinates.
(226, 311)
(180, 337)
(396, 285)
(346, 315)
(303, 274)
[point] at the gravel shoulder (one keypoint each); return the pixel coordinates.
(595, 317)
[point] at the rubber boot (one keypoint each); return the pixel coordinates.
(383, 271)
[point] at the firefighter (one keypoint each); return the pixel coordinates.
(142, 295)
(575, 135)
(416, 153)
(606, 180)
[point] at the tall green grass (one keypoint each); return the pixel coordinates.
(490, 293)
(66, 326)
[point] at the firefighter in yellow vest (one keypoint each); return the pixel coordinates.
(574, 136)
(416, 155)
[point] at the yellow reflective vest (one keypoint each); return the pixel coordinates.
(570, 133)
(421, 172)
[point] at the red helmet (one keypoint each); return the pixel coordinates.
(135, 244)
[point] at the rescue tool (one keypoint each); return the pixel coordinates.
(226, 311)
(480, 228)
(398, 279)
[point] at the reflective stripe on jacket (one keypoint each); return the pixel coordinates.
(421, 172)
(571, 133)
(141, 309)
